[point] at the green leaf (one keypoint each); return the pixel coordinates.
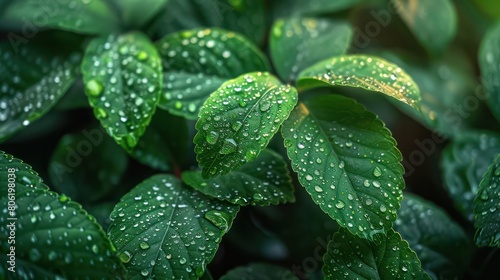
(367, 72)
(299, 7)
(441, 244)
(350, 257)
(54, 235)
(489, 61)
(123, 80)
(297, 43)
(164, 230)
(164, 144)
(87, 165)
(238, 121)
(88, 17)
(136, 13)
(444, 84)
(491, 8)
(261, 182)
(433, 22)
(347, 161)
(32, 81)
(243, 16)
(197, 62)
(487, 220)
(259, 271)
(464, 162)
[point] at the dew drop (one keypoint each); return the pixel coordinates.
(340, 204)
(142, 55)
(236, 126)
(228, 147)
(219, 219)
(383, 208)
(94, 88)
(265, 106)
(377, 172)
(192, 107)
(125, 256)
(144, 245)
(258, 197)
(212, 137)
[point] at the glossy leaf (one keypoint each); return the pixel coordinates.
(464, 162)
(123, 80)
(197, 62)
(87, 165)
(433, 22)
(299, 7)
(440, 243)
(135, 13)
(444, 85)
(350, 257)
(347, 161)
(88, 17)
(32, 80)
(238, 121)
(487, 207)
(55, 237)
(367, 72)
(259, 271)
(164, 230)
(489, 61)
(297, 43)
(261, 182)
(164, 144)
(243, 16)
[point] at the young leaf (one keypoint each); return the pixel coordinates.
(464, 162)
(136, 13)
(88, 17)
(243, 16)
(87, 165)
(238, 121)
(123, 81)
(489, 59)
(367, 72)
(55, 236)
(347, 161)
(261, 182)
(297, 43)
(433, 22)
(259, 271)
(441, 244)
(350, 257)
(197, 62)
(164, 144)
(487, 203)
(33, 80)
(164, 230)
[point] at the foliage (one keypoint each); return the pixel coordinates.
(235, 139)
